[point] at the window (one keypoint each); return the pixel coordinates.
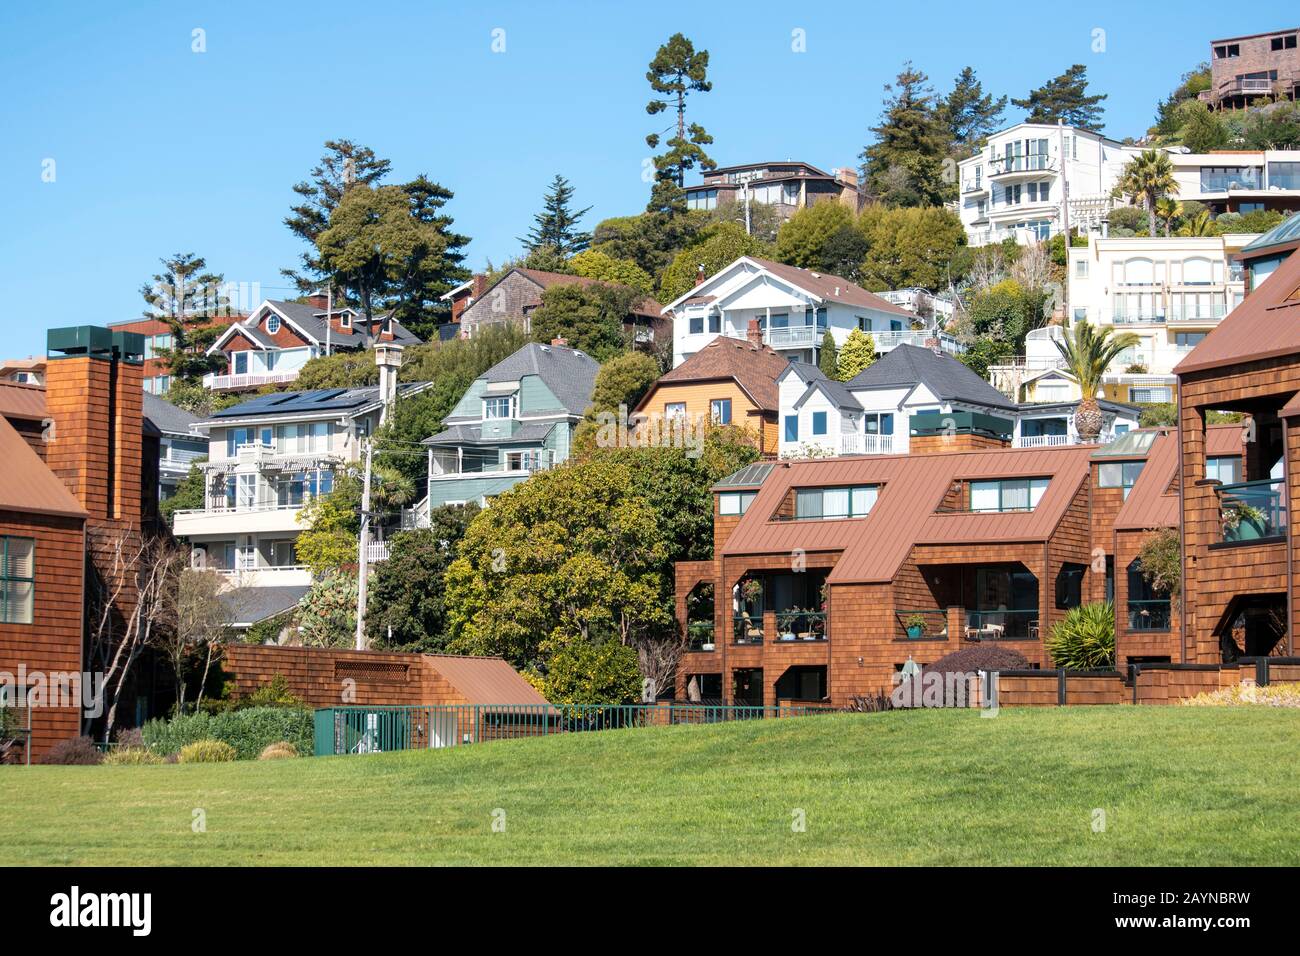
(496, 407)
(1069, 586)
(675, 411)
(720, 411)
(1282, 43)
(792, 428)
(1040, 192)
(702, 199)
(1119, 474)
(1148, 394)
(1227, 51)
(1081, 268)
(819, 423)
(715, 322)
(17, 579)
(273, 323)
(240, 363)
(878, 423)
(1225, 468)
(735, 502)
(523, 460)
(1007, 494)
(854, 501)
(1081, 314)
(345, 320)
(697, 325)
(301, 439)
(1011, 195)
(1187, 340)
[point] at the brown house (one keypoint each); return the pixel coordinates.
(1246, 68)
(728, 382)
(829, 575)
(517, 294)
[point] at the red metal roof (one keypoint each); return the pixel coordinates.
(28, 484)
(905, 513)
(22, 401)
(1150, 503)
(485, 680)
(1265, 325)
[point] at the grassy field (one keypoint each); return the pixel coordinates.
(1178, 786)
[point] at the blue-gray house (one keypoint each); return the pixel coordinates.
(516, 418)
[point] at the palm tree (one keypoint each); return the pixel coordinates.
(1088, 354)
(1146, 179)
(1202, 224)
(1167, 210)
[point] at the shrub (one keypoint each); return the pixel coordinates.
(207, 751)
(278, 751)
(1240, 695)
(77, 752)
(128, 737)
(248, 731)
(1085, 638)
(131, 757)
(982, 657)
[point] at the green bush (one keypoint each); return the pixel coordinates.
(1085, 638)
(207, 751)
(248, 731)
(131, 757)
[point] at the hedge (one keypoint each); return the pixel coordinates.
(249, 731)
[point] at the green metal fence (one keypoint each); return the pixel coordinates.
(363, 729)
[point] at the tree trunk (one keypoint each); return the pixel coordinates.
(1151, 217)
(1088, 420)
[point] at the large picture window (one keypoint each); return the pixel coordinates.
(854, 501)
(1007, 494)
(17, 579)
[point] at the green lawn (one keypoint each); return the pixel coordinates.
(1179, 786)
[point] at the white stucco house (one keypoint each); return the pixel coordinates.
(793, 308)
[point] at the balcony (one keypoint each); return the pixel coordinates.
(747, 630)
(476, 463)
(1007, 168)
(866, 444)
(794, 337)
(261, 576)
(800, 625)
(974, 186)
(1253, 510)
(885, 341)
(1041, 441)
(1002, 625)
(223, 382)
(699, 636)
(222, 518)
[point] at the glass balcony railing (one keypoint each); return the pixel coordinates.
(1253, 509)
(699, 635)
(1150, 615)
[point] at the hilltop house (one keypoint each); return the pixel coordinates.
(277, 339)
(786, 187)
(516, 418)
(794, 308)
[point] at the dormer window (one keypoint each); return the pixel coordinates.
(272, 323)
(498, 407)
(345, 320)
(854, 501)
(1007, 494)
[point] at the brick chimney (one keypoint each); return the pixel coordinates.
(480, 285)
(94, 391)
(699, 274)
(559, 342)
(318, 300)
(753, 333)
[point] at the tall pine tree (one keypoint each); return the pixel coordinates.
(1066, 99)
(677, 71)
(188, 298)
(971, 114)
(556, 226)
(907, 163)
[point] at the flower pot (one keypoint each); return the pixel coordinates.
(787, 636)
(706, 647)
(915, 631)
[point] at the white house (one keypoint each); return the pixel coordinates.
(793, 308)
(1028, 178)
(1239, 180)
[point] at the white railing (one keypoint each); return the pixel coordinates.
(376, 551)
(219, 505)
(1041, 441)
(248, 379)
(799, 336)
(866, 444)
(889, 340)
(261, 569)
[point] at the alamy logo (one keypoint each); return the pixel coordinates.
(102, 909)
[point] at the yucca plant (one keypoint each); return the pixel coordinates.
(1085, 638)
(1088, 353)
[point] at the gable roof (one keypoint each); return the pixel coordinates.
(949, 380)
(484, 680)
(311, 322)
(1265, 325)
(644, 306)
(818, 381)
(905, 513)
(247, 606)
(338, 400)
(166, 417)
(831, 288)
(29, 484)
(1150, 503)
(22, 401)
(569, 373)
(755, 368)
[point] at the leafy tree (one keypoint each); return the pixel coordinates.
(1161, 560)
(589, 317)
(1201, 130)
(1159, 413)
(190, 493)
(676, 71)
(594, 264)
(1065, 99)
(556, 225)
(623, 380)
(1088, 354)
(1003, 314)
(971, 114)
(650, 240)
(717, 246)
(827, 358)
(765, 219)
(857, 355)
(331, 525)
(1168, 211)
(436, 264)
(1258, 220)
(804, 238)
(340, 370)
(188, 299)
(911, 247)
(844, 253)
(406, 606)
(194, 397)
(344, 164)
(583, 672)
(1276, 126)
(452, 365)
(908, 163)
(982, 353)
(1169, 114)
(1147, 178)
(327, 614)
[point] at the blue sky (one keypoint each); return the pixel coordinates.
(158, 149)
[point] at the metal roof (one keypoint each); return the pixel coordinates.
(22, 401)
(305, 403)
(28, 484)
(484, 680)
(1151, 503)
(249, 605)
(905, 514)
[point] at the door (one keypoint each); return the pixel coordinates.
(748, 687)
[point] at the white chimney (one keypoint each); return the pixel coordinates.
(388, 357)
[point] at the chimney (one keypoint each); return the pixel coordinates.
(94, 392)
(388, 356)
(753, 333)
(318, 300)
(699, 274)
(480, 285)
(560, 342)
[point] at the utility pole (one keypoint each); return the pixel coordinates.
(363, 548)
(1065, 220)
(329, 314)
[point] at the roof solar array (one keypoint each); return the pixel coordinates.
(317, 400)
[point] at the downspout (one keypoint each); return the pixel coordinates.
(1290, 589)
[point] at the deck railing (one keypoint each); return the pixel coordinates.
(1253, 509)
(361, 729)
(1151, 615)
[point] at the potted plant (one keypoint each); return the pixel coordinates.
(1246, 520)
(915, 624)
(751, 589)
(785, 622)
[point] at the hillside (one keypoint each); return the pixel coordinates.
(1179, 786)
